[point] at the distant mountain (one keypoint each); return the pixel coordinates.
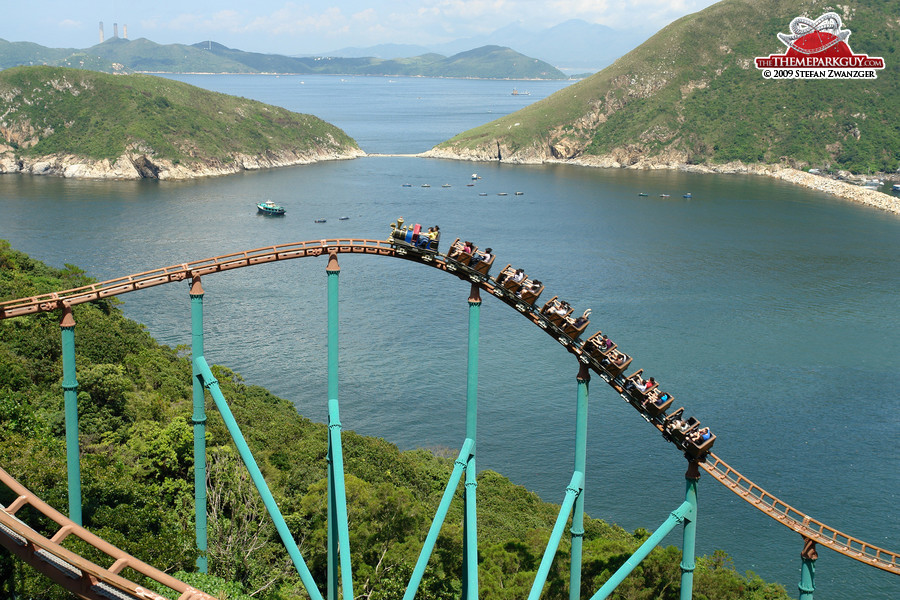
(381, 51)
(574, 45)
(692, 95)
(14, 54)
(121, 55)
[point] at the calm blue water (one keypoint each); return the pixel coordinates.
(771, 312)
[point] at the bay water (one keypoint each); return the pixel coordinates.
(769, 311)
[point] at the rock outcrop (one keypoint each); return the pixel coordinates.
(145, 166)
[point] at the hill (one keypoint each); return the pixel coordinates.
(692, 95)
(119, 55)
(135, 406)
(572, 45)
(79, 123)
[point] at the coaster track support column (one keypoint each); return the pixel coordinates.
(692, 477)
(199, 421)
(470, 520)
(338, 529)
(808, 569)
(577, 530)
(70, 398)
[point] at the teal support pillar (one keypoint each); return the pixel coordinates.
(808, 569)
(677, 516)
(692, 477)
(572, 491)
(199, 421)
(577, 530)
(470, 521)
(70, 398)
(210, 383)
(338, 529)
(439, 516)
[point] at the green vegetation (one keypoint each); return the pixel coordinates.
(118, 55)
(51, 110)
(134, 401)
(692, 92)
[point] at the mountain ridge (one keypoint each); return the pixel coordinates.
(690, 96)
(119, 55)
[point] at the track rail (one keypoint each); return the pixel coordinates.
(799, 521)
(778, 510)
(73, 572)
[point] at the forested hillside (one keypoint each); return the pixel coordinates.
(692, 95)
(134, 400)
(152, 123)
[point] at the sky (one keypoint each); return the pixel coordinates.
(305, 27)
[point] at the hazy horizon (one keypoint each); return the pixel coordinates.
(290, 28)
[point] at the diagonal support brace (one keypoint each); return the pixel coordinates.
(204, 374)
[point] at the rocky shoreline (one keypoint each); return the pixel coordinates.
(144, 166)
(822, 183)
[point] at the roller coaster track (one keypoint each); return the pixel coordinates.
(66, 568)
(89, 580)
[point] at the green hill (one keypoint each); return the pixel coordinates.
(692, 94)
(135, 406)
(160, 127)
(118, 55)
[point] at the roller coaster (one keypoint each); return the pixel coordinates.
(595, 354)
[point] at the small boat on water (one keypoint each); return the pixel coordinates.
(516, 92)
(407, 185)
(501, 193)
(270, 208)
(319, 221)
(343, 218)
(520, 193)
(446, 185)
(482, 193)
(642, 193)
(426, 185)
(895, 187)
(663, 195)
(688, 195)
(470, 185)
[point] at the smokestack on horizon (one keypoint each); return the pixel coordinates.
(101, 32)
(115, 30)
(124, 32)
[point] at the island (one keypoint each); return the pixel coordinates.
(85, 124)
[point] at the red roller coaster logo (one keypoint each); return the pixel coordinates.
(818, 50)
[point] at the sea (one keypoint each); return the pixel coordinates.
(769, 311)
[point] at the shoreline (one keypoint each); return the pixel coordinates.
(131, 166)
(841, 189)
